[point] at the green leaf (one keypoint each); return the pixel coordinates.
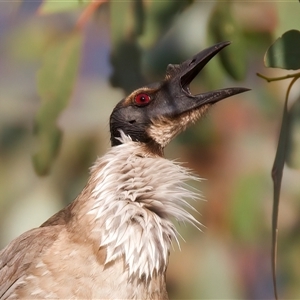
(52, 6)
(158, 18)
(284, 53)
(49, 140)
(293, 143)
(223, 27)
(55, 83)
(126, 26)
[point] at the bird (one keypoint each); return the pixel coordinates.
(113, 241)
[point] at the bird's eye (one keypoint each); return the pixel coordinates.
(142, 99)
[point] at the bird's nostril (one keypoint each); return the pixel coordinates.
(193, 60)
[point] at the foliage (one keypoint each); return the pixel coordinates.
(284, 53)
(55, 81)
(50, 6)
(233, 58)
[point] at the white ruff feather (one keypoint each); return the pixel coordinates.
(134, 198)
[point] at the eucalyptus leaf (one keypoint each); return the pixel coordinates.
(55, 82)
(50, 6)
(223, 27)
(157, 19)
(284, 53)
(126, 26)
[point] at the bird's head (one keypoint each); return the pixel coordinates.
(156, 113)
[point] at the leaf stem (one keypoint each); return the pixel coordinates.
(277, 172)
(270, 79)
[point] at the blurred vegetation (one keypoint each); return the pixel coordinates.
(64, 66)
(284, 53)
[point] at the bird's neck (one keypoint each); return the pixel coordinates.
(128, 203)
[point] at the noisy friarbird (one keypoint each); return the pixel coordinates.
(113, 240)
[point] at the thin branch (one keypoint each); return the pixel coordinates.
(270, 79)
(86, 14)
(277, 172)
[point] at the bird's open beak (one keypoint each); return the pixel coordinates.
(180, 77)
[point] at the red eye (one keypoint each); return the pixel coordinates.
(142, 99)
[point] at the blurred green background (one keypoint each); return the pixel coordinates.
(65, 65)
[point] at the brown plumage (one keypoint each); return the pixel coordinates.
(113, 240)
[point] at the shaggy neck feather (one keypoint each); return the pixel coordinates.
(134, 198)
